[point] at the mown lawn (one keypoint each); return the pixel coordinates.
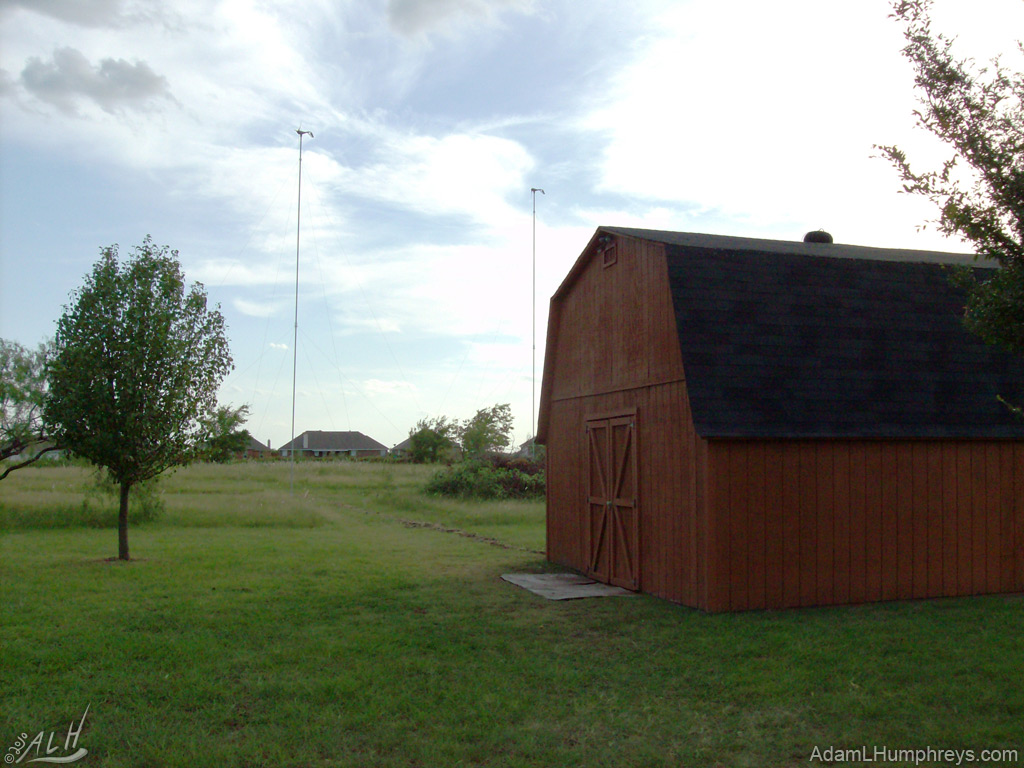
(348, 625)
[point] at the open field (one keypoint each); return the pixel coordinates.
(348, 625)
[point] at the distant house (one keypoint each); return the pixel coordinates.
(402, 450)
(257, 450)
(322, 445)
(530, 449)
(739, 424)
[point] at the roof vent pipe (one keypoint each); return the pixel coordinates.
(818, 236)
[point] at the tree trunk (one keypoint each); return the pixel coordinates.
(122, 523)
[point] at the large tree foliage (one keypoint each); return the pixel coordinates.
(979, 190)
(227, 438)
(22, 392)
(488, 431)
(431, 439)
(137, 362)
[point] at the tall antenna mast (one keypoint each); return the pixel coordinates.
(533, 372)
(295, 336)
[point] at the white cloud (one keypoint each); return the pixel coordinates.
(256, 308)
(467, 174)
(414, 17)
(751, 108)
(112, 84)
(232, 63)
(219, 272)
(379, 387)
(89, 13)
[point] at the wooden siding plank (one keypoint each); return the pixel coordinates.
(683, 533)
(791, 524)
(657, 438)
(775, 526)
(655, 524)
(889, 511)
(842, 524)
(1007, 563)
(858, 514)
(808, 524)
(674, 509)
(825, 528)
(979, 533)
(756, 526)
(904, 521)
(964, 520)
(934, 520)
(718, 529)
(693, 508)
(566, 491)
(874, 529)
(993, 518)
(703, 510)
(736, 475)
(920, 513)
(949, 519)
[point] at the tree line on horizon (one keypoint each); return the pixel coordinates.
(437, 439)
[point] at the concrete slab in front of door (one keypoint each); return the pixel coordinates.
(564, 586)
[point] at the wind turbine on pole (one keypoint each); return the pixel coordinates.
(533, 371)
(295, 336)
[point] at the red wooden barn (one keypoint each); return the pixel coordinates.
(738, 424)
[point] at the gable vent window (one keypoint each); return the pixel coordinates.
(609, 255)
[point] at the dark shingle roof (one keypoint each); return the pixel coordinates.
(256, 445)
(334, 441)
(781, 339)
(759, 245)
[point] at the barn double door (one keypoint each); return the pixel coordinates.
(613, 534)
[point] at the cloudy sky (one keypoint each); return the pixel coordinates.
(432, 119)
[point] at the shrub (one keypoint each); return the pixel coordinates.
(517, 463)
(494, 477)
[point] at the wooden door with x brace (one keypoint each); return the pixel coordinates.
(613, 532)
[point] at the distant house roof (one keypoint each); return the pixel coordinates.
(333, 441)
(796, 339)
(256, 445)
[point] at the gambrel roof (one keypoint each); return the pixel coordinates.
(808, 340)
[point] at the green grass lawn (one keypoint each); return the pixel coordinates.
(348, 625)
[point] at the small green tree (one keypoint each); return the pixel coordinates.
(979, 190)
(489, 430)
(431, 439)
(227, 440)
(137, 362)
(22, 393)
